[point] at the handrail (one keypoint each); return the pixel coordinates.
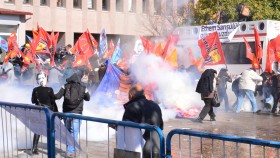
(107, 121)
(30, 106)
(21, 105)
(230, 138)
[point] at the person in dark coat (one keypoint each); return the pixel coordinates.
(275, 91)
(42, 96)
(235, 90)
(73, 104)
(140, 110)
(206, 86)
(223, 78)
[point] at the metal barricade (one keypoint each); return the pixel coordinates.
(217, 145)
(88, 148)
(18, 123)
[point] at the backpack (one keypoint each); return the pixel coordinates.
(74, 94)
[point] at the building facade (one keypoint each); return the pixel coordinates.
(73, 17)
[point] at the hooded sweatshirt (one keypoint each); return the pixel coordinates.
(73, 108)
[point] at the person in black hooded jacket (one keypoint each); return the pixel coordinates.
(206, 86)
(141, 110)
(74, 95)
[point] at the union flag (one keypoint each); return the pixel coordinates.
(269, 57)
(276, 46)
(211, 49)
(249, 52)
(258, 45)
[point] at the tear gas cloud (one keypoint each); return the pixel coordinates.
(173, 88)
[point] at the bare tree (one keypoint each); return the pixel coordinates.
(163, 21)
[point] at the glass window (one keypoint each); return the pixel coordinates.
(91, 4)
(61, 3)
(43, 2)
(235, 53)
(77, 4)
(119, 5)
(27, 2)
(157, 6)
(105, 5)
(131, 5)
(10, 1)
(145, 7)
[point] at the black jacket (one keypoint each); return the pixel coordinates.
(44, 96)
(74, 79)
(205, 83)
(141, 110)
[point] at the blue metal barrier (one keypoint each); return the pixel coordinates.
(105, 121)
(4, 105)
(229, 138)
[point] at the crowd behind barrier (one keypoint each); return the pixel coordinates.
(11, 134)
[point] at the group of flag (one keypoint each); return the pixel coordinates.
(43, 42)
(272, 53)
(212, 51)
(86, 47)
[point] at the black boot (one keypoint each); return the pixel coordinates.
(35, 144)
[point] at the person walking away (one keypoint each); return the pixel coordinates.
(275, 91)
(247, 85)
(206, 86)
(235, 90)
(42, 96)
(140, 110)
(74, 95)
(223, 78)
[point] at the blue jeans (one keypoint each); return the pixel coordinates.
(241, 96)
(73, 126)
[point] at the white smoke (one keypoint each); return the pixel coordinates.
(174, 88)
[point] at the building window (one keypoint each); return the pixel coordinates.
(27, 2)
(119, 5)
(10, 1)
(157, 6)
(77, 4)
(91, 4)
(145, 7)
(131, 5)
(61, 3)
(105, 5)
(43, 2)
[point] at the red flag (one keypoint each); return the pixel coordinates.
(84, 45)
(93, 41)
(249, 52)
(81, 60)
(269, 57)
(172, 40)
(276, 45)
(54, 38)
(158, 49)
(13, 48)
(211, 49)
(147, 44)
(45, 37)
(258, 45)
(255, 63)
(191, 57)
